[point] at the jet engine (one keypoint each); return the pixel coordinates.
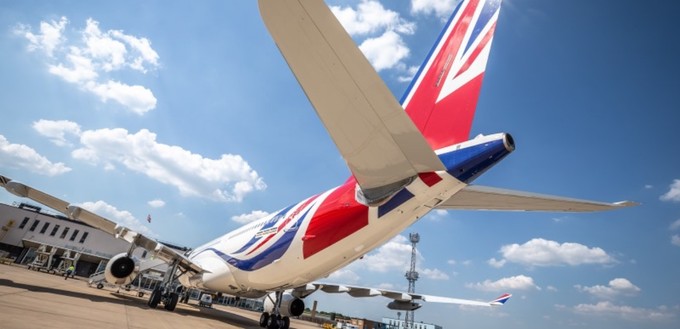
(403, 306)
(121, 269)
(290, 305)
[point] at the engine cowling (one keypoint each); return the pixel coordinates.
(403, 306)
(290, 305)
(121, 269)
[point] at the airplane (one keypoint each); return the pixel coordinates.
(406, 158)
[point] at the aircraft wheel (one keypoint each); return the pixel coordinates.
(100, 285)
(285, 322)
(140, 294)
(172, 303)
(264, 317)
(155, 298)
(274, 322)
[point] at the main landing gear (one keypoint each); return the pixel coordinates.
(165, 293)
(275, 320)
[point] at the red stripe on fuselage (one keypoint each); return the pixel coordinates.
(338, 217)
(430, 178)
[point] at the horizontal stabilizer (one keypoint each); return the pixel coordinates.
(474, 197)
(377, 139)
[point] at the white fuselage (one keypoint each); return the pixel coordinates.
(313, 238)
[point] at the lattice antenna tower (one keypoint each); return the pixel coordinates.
(412, 277)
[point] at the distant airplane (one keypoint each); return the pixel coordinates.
(406, 160)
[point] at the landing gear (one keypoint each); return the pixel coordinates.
(166, 293)
(264, 318)
(171, 302)
(155, 298)
(275, 320)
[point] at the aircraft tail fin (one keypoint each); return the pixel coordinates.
(442, 97)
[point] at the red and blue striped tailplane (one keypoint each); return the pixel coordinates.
(442, 97)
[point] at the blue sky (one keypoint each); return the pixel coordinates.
(190, 114)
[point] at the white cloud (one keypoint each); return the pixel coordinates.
(252, 216)
(371, 17)
(344, 275)
(434, 274)
(156, 203)
(649, 186)
(607, 308)
(541, 252)
(385, 51)
(493, 262)
(88, 61)
(519, 282)
(675, 225)
(136, 98)
(386, 286)
(409, 74)
(673, 193)
(675, 240)
(383, 28)
(122, 217)
(441, 8)
(227, 179)
(24, 157)
(50, 36)
(616, 287)
(551, 288)
(56, 131)
(393, 256)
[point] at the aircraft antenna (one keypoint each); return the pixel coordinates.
(412, 276)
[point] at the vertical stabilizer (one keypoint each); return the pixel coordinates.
(442, 98)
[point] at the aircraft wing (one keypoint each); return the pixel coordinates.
(474, 197)
(397, 296)
(75, 212)
(375, 136)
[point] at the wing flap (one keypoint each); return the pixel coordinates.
(474, 197)
(380, 144)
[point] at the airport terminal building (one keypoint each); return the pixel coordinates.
(25, 228)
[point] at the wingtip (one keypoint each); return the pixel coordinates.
(500, 300)
(626, 203)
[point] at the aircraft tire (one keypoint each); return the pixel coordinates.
(155, 298)
(170, 306)
(100, 285)
(264, 317)
(273, 322)
(285, 322)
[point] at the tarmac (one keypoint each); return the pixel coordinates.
(31, 299)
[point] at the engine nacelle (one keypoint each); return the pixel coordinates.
(121, 269)
(403, 306)
(290, 305)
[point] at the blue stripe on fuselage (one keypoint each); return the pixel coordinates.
(396, 201)
(267, 256)
(271, 222)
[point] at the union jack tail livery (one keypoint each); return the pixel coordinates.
(442, 97)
